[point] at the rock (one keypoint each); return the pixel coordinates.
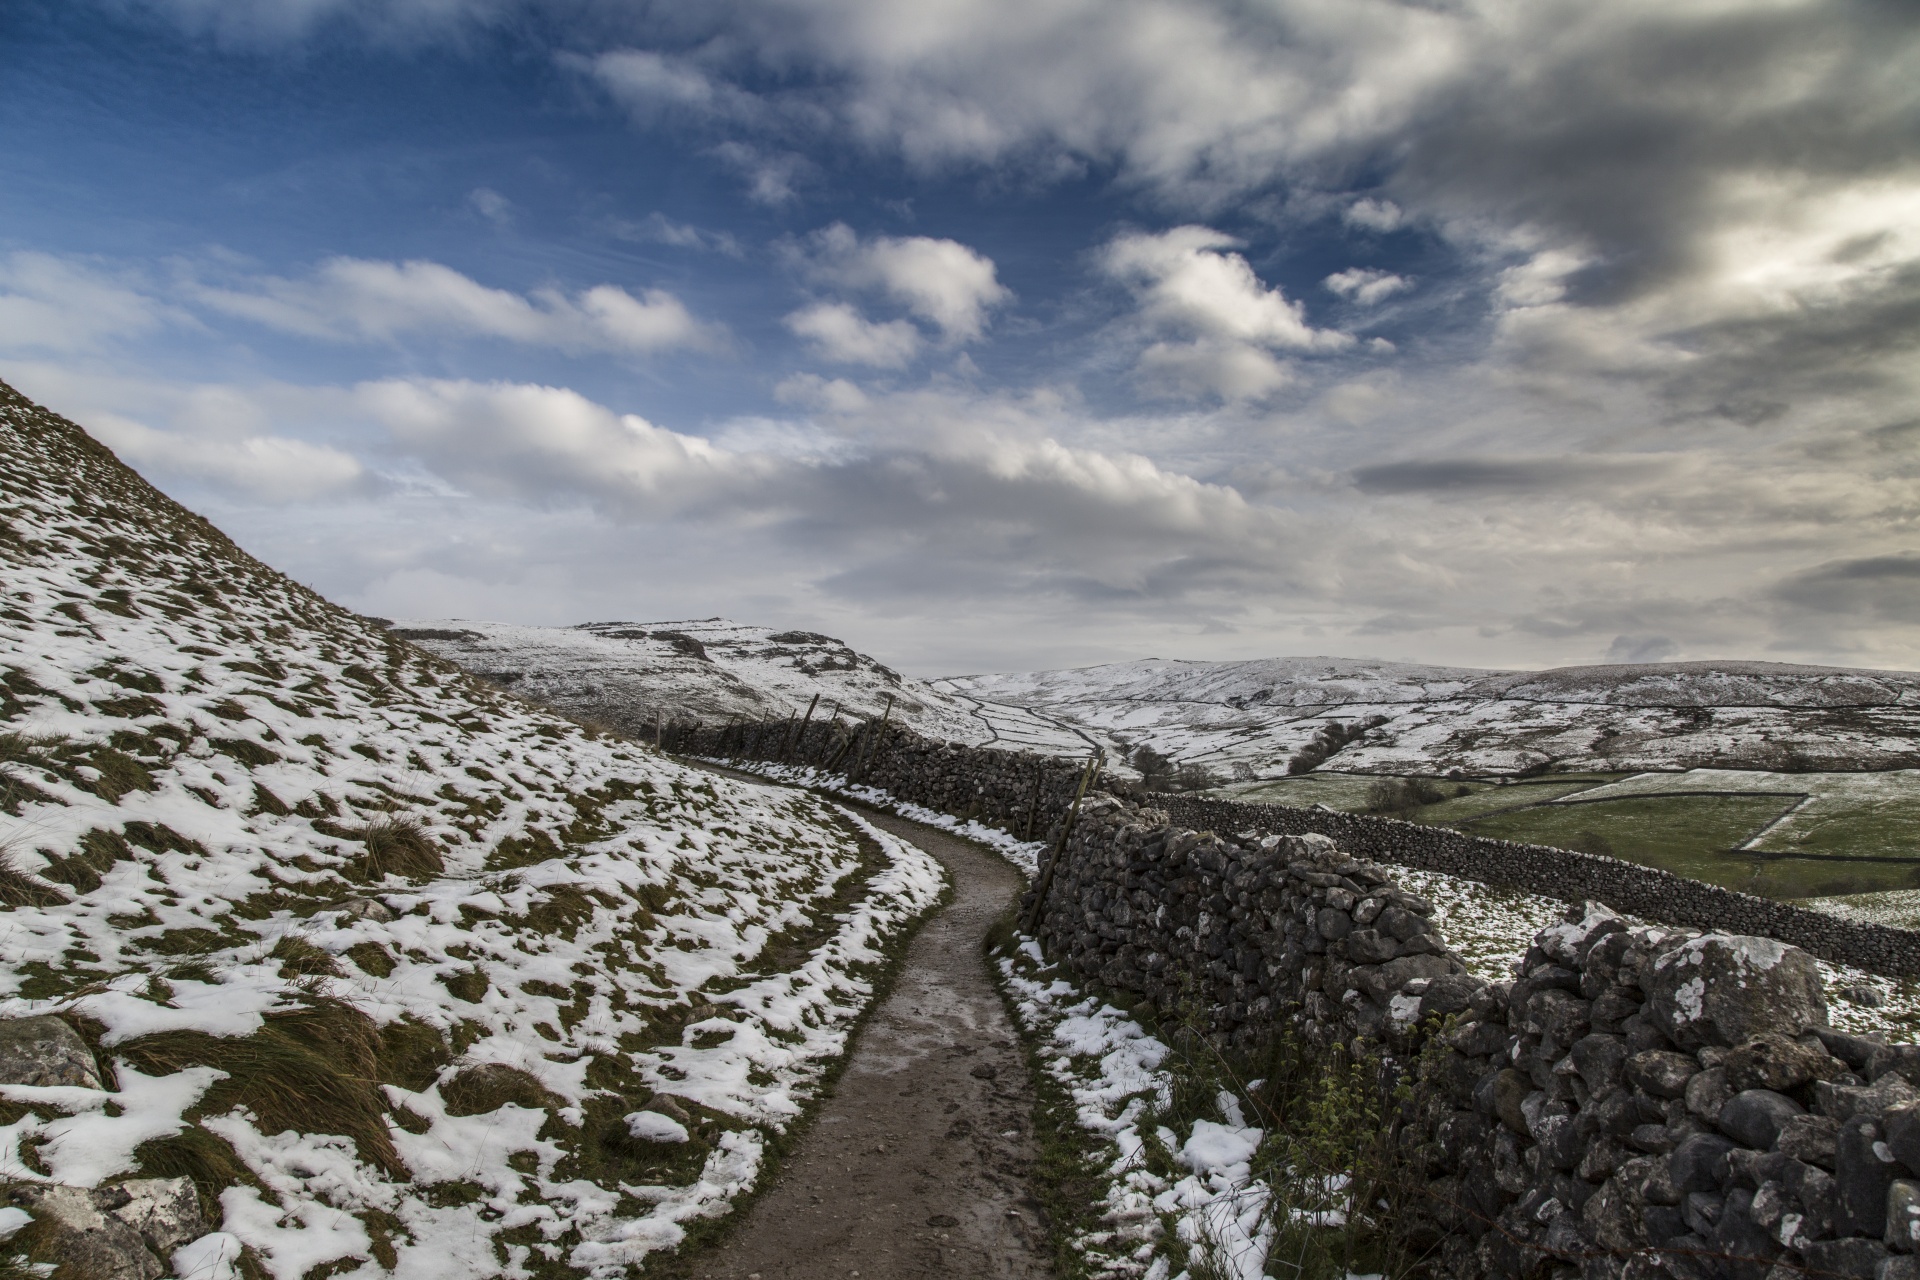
(1332, 925)
(45, 1050)
(1701, 1210)
(1843, 1101)
(1902, 1126)
(1656, 1139)
(1726, 989)
(1754, 1117)
(83, 1239)
(1863, 995)
(1850, 1049)
(1778, 1063)
(1699, 1163)
(1612, 1220)
(165, 1211)
(1814, 1191)
(1370, 946)
(1903, 1215)
(366, 909)
(1902, 1060)
(1809, 1138)
(1599, 1059)
(1706, 1093)
(1863, 1169)
(1900, 1266)
(1749, 1248)
(1510, 1089)
(1854, 1259)
(1661, 1072)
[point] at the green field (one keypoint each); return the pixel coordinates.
(1780, 835)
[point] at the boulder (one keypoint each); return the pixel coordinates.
(81, 1238)
(1754, 1117)
(1863, 1169)
(1902, 1060)
(1727, 989)
(1779, 1063)
(165, 1211)
(1699, 1163)
(1661, 1072)
(1809, 1139)
(1852, 1259)
(45, 1050)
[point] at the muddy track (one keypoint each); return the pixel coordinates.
(919, 1164)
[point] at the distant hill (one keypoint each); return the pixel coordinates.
(377, 957)
(1251, 718)
(626, 674)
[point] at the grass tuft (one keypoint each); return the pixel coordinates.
(397, 845)
(313, 1069)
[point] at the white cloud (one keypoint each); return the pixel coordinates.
(773, 177)
(811, 391)
(347, 299)
(50, 303)
(1211, 366)
(265, 468)
(1187, 286)
(839, 332)
(657, 228)
(1184, 281)
(649, 83)
(491, 205)
(1365, 285)
(1374, 215)
(512, 439)
(944, 282)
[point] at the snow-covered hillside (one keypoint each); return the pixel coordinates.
(1250, 718)
(627, 674)
(406, 976)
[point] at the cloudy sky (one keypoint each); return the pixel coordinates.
(997, 334)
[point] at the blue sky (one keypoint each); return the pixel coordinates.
(995, 335)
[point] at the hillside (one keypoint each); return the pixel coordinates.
(1248, 719)
(710, 671)
(405, 975)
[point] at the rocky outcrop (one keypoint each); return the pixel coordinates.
(113, 1233)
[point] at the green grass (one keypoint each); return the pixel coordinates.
(1815, 834)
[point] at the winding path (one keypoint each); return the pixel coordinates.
(918, 1164)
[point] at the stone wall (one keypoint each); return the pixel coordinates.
(1635, 1102)
(1025, 794)
(1017, 791)
(1563, 873)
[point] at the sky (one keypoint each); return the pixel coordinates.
(1007, 334)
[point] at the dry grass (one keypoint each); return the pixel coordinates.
(18, 889)
(314, 1069)
(397, 845)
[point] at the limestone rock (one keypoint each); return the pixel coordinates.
(1726, 989)
(45, 1050)
(165, 1211)
(84, 1239)
(1778, 1063)
(1754, 1117)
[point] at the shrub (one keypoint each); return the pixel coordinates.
(1402, 795)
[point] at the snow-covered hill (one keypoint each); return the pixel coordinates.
(404, 975)
(627, 674)
(1248, 719)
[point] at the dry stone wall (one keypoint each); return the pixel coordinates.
(1025, 794)
(1636, 1102)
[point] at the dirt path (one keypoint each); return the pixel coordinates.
(918, 1164)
